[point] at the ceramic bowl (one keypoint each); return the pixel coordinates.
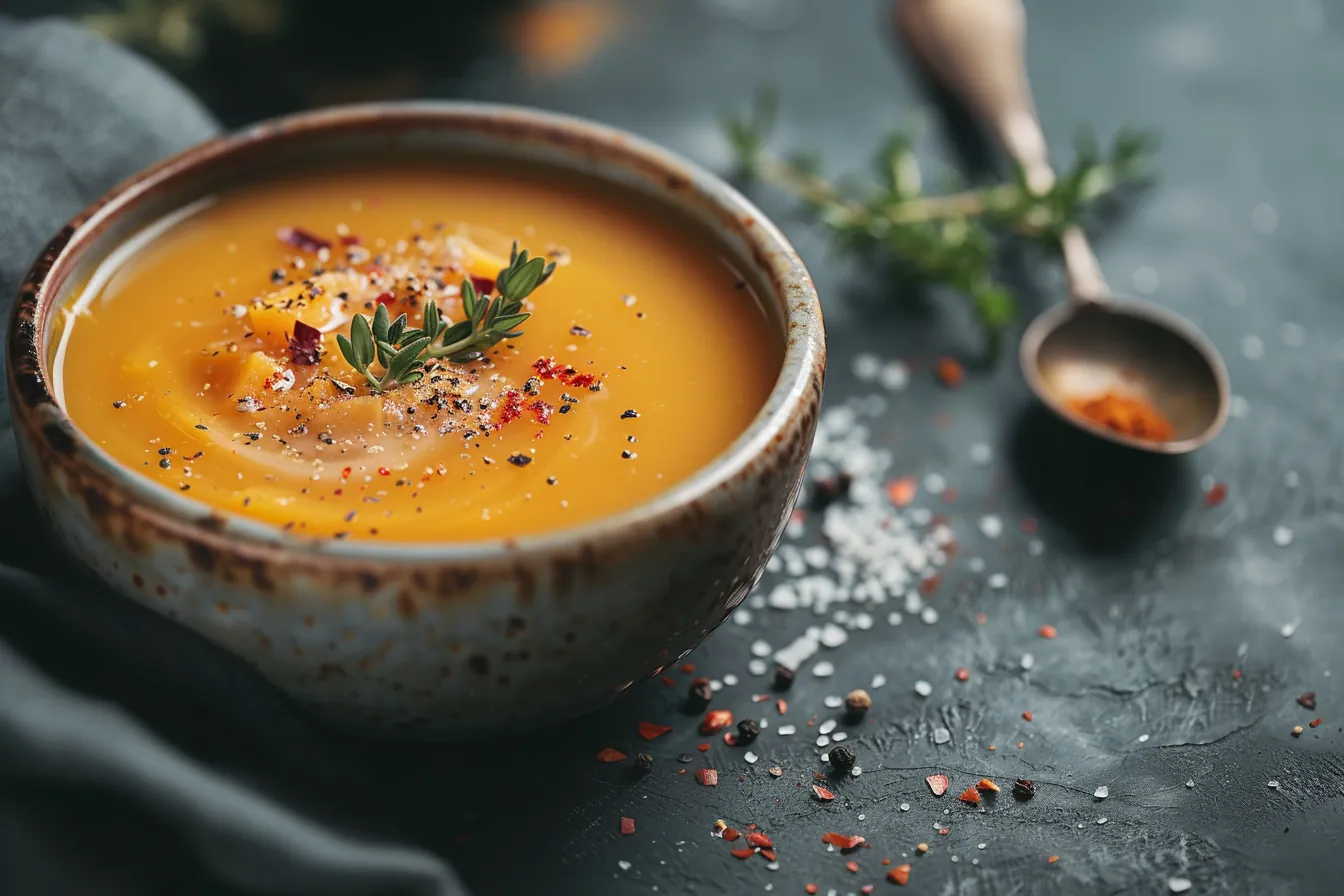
(446, 640)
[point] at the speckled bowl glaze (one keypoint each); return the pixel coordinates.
(446, 640)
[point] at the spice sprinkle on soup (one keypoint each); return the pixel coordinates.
(418, 353)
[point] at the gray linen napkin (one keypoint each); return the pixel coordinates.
(134, 757)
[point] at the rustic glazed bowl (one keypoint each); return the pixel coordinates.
(448, 640)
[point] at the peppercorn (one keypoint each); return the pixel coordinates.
(644, 763)
(747, 731)
(783, 678)
(842, 758)
(857, 702)
(698, 697)
(1024, 789)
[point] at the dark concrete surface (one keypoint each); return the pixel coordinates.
(1157, 598)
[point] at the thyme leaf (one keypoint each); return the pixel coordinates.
(401, 351)
(950, 238)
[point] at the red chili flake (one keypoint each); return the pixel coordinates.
(730, 738)
(386, 298)
(513, 406)
(1053, 859)
(986, 784)
(1048, 632)
(697, 682)
(970, 795)
(822, 793)
(759, 839)
(769, 855)
(1027, 715)
(627, 826)
(901, 492)
(305, 346)
(1315, 723)
(886, 861)
(582, 380)
(669, 682)
(963, 674)
(730, 834)
(949, 372)
(798, 516)
(716, 720)
(810, 890)
(938, 784)
(349, 239)
(708, 777)
(929, 585)
(1029, 525)
(840, 841)
(688, 668)
(852, 867)
(743, 853)
(981, 618)
(1019, 745)
(782, 705)
(1307, 700)
(610, 755)
(345, 474)
(1236, 673)
(303, 240)
(541, 411)
(649, 731)
(703, 748)
(900, 875)
(866, 889)
(1215, 495)
(484, 285)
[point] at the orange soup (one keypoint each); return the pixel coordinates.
(206, 356)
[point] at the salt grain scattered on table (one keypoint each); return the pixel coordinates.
(941, 735)
(928, 615)
(1190, 782)
(905, 807)
(750, 757)
(823, 669)
(1179, 885)
(991, 525)
(757, 667)
(878, 680)
(1252, 347)
(1027, 662)
(839, 736)
(923, 688)
(998, 581)
(1283, 536)
(1102, 792)
(981, 453)
(832, 701)
(786, 730)
(1273, 785)
(1289, 628)
(623, 865)
(827, 726)
(823, 741)
(729, 680)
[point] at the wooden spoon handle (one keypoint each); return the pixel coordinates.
(976, 48)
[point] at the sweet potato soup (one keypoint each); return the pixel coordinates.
(252, 352)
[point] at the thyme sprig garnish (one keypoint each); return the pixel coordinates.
(950, 238)
(402, 350)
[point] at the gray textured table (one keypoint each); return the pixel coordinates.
(1171, 663)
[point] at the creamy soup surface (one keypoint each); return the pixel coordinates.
(205, 356)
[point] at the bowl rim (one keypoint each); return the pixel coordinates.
(790, 285)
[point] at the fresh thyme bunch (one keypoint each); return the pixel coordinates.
(950, 238)
(402, 351)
